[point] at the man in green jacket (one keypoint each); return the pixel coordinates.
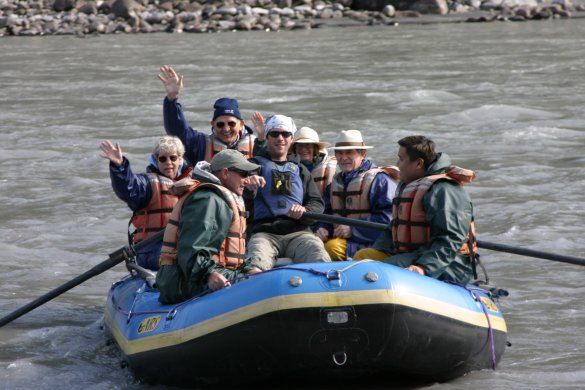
(432, 216)
(204, 242)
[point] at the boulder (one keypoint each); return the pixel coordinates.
(371, 5)
(64, 5)
(491, 4)
(389, 11)
(226, 25)
(125, 9)
(88, 8)
(437, 7)
(519, 3)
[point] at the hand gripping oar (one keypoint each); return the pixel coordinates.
(481, 244)
(115, 258)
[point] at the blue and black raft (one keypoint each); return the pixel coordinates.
(302, 321)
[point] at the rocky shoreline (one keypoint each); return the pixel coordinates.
(95, 17)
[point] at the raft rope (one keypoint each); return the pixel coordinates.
(473, 292)
(331, 274)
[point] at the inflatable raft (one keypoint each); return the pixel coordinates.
(303, 321)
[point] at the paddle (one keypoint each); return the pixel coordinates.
(480, 244)
(115, 258)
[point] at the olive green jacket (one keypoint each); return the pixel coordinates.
(205, 220)
(448, 210)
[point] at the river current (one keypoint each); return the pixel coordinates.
(504, 99)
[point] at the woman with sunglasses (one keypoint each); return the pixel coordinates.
(228, 128)
(147, 194)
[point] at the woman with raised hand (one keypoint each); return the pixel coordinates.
(147, 194)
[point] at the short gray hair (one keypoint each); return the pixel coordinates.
(169, 145)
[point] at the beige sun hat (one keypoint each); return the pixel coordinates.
(306, 135)
(350, 139)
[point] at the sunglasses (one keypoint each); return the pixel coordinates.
(241, 172)
(275, 134)
(163, 159)
(220, 125)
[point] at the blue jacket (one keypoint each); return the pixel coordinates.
(176, 124)
(135, 191)
(270, 205)
(380, 197)
(280, 224)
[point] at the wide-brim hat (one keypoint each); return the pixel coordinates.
(306, 135)
(350, 139)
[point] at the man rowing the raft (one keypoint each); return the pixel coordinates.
(204, 242)
(433, 232)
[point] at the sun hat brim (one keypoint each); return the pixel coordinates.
(351, 147)
(321, 145)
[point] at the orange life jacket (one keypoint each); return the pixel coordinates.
(354, 201)
(323, 173)
(232, 250)
(213, 145)
(154, 217)
(410, 229)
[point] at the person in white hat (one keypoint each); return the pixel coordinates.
(361, 190)
(277, 200)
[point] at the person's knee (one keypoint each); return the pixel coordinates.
(261, 252)
(308, 248)
(370, 254)
(336, 248)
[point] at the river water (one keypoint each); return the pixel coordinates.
(504, 99)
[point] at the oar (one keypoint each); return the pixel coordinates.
(481, 244)
(115, 258)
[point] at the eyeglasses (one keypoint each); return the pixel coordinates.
(240, 172)
(163, 159)
(220, 125)
(275, 134)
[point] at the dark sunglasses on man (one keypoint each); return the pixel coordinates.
(275, 134)
(241, 172)
(220, 125)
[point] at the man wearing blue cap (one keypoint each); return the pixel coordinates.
(228, 129)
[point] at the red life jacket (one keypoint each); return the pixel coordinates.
(213, 146)
(154, 217)
(232, 250)
(410, 229)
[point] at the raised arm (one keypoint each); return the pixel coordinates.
(133, 189)
(172, 82)
(258, 123)
(112, 152)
